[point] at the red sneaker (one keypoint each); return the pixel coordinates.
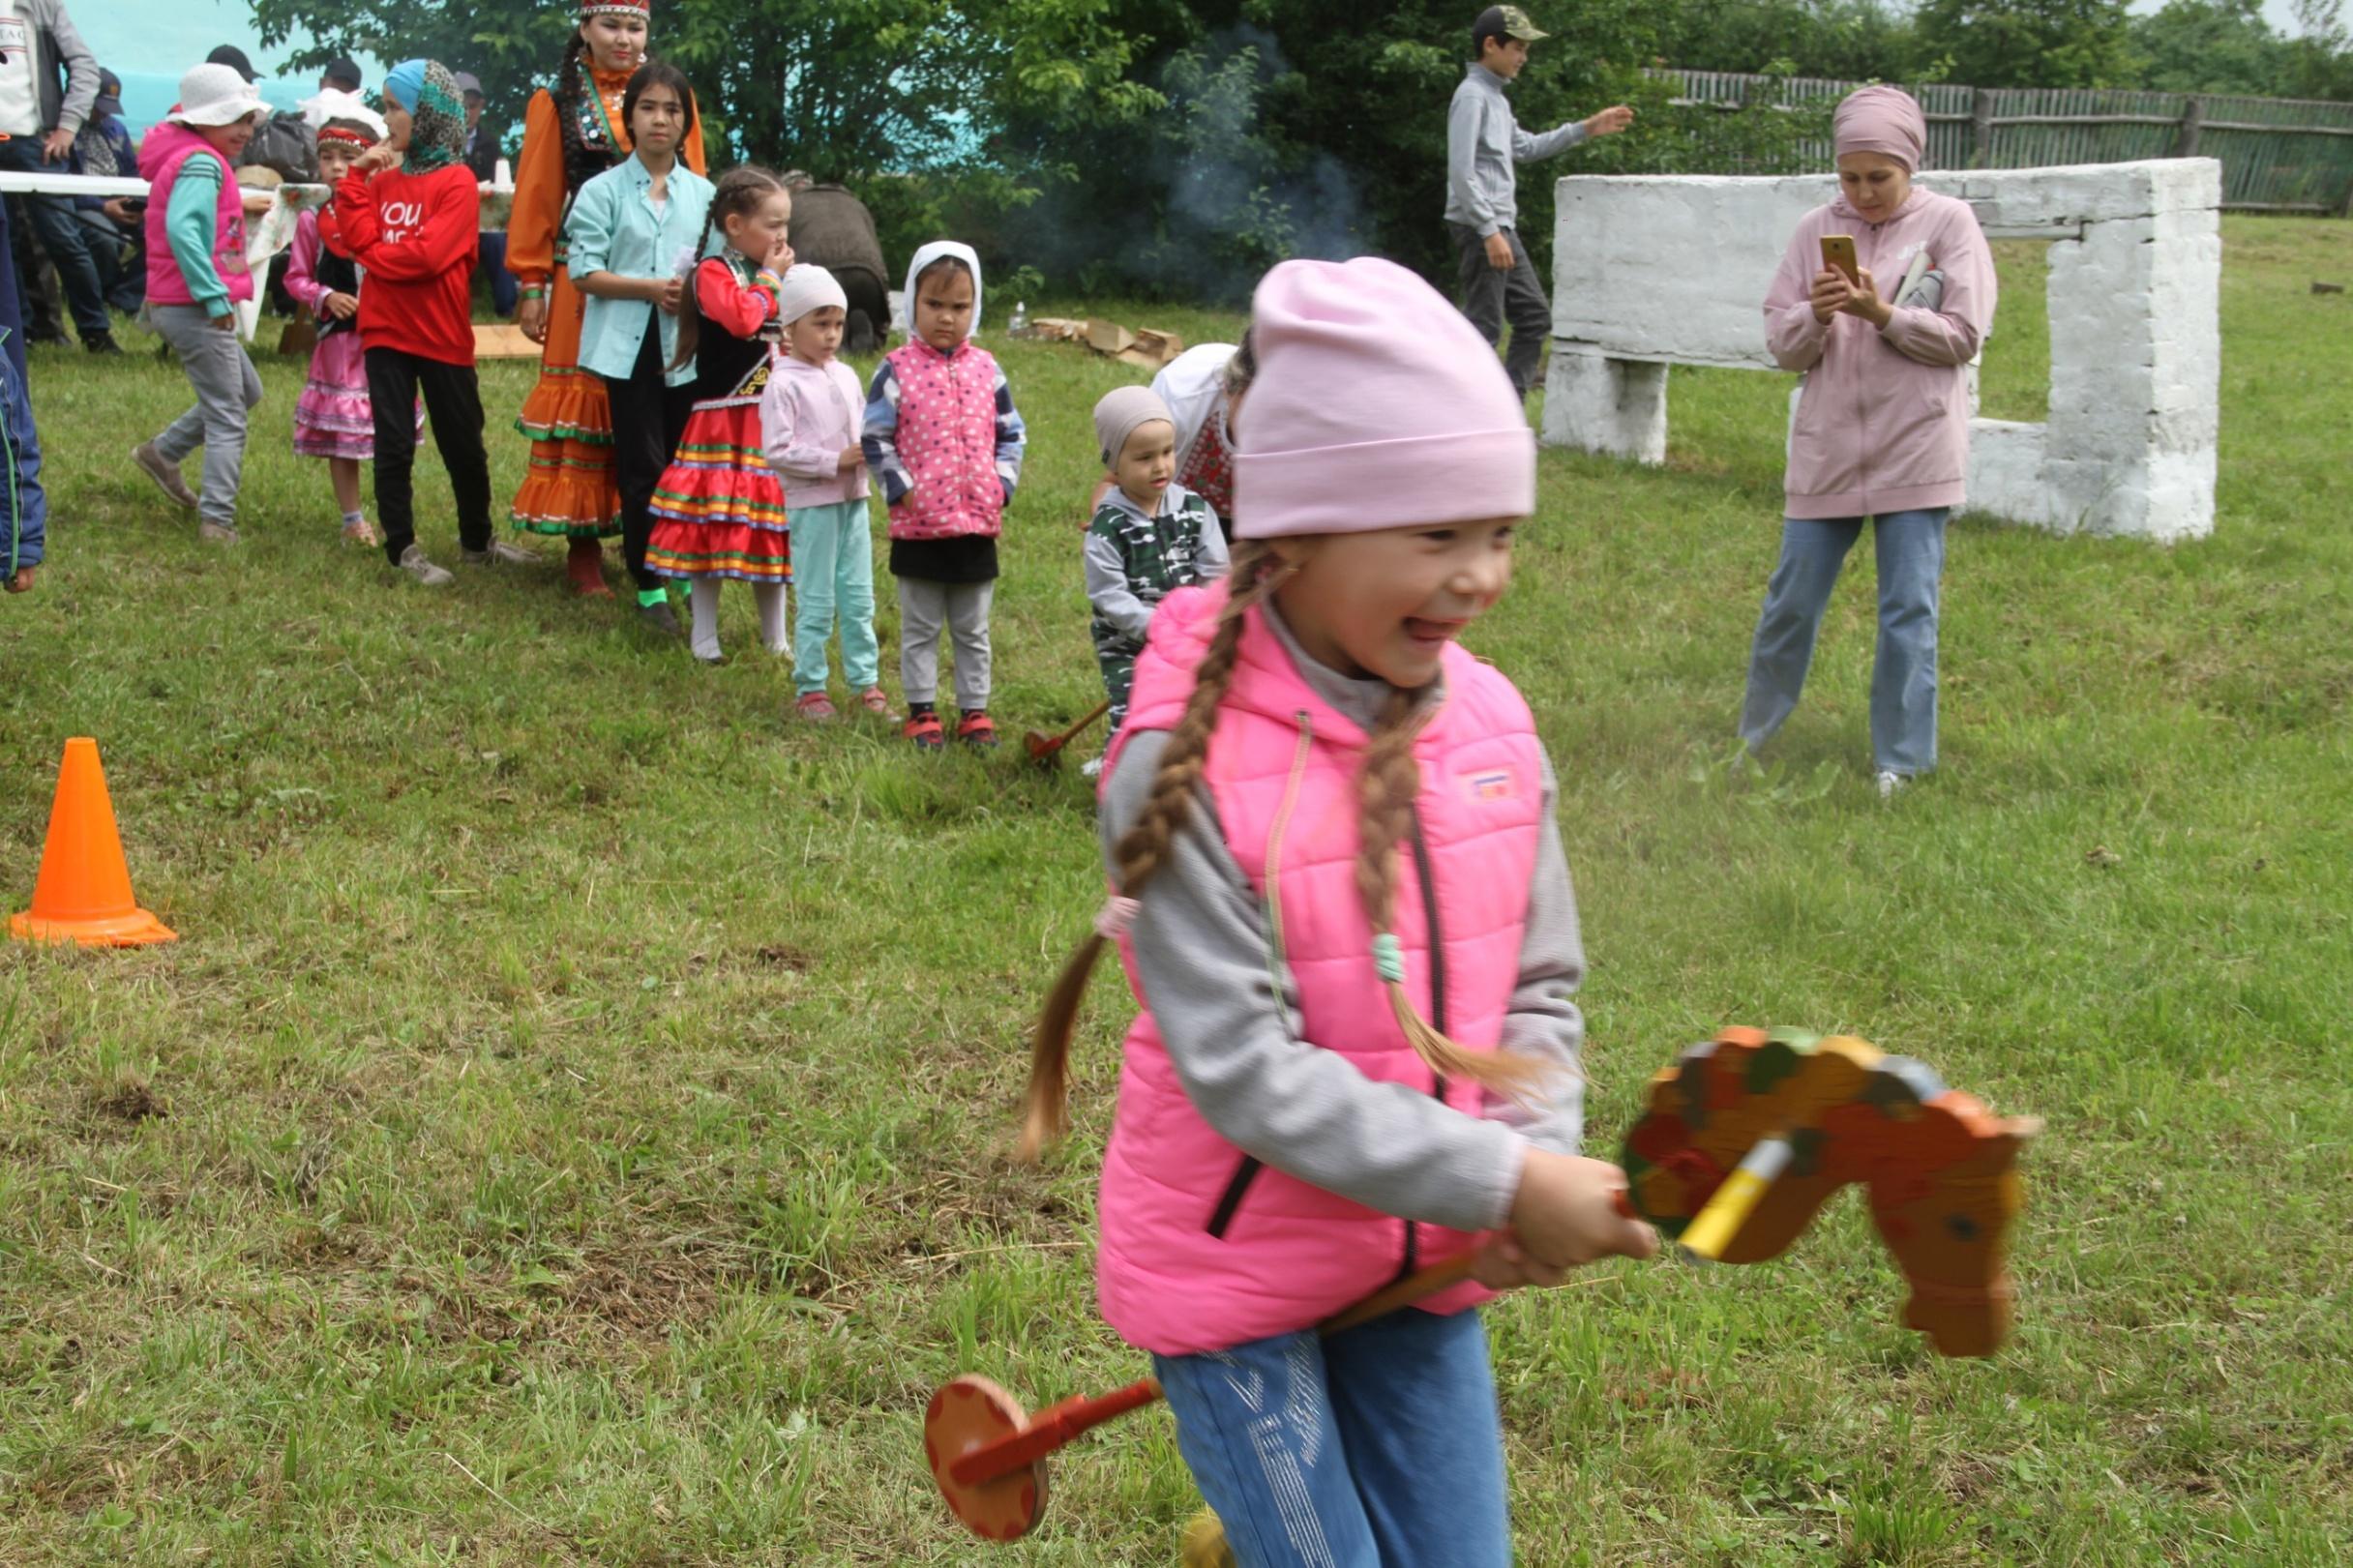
(977, 730)
(815, 707)
(926, 731)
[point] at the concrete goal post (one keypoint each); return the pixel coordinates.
(1656, 270)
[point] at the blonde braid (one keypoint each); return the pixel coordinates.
(1385, 791)
(1144, 848)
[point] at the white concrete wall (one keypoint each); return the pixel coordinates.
(1656, 270)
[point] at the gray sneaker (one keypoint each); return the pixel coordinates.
(414, 563)
(500, 552)
(660, 618)
(165, 472)
(213, 533)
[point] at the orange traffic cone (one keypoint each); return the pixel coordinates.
(83, 894)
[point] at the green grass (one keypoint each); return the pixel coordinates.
(572, 1126)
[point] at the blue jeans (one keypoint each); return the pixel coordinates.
(1909, 547)
(1378, 1448)
(61, 235)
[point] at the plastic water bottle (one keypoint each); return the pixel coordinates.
(1020, 324)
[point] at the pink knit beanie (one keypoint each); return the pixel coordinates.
(1375, 407)
(1883, 120)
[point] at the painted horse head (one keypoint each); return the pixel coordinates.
(1941, 1171)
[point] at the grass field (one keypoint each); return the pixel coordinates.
(572, 1126)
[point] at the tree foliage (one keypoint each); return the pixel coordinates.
(1184, 145)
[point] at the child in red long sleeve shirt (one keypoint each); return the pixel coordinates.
(409, 212)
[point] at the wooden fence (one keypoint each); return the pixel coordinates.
(2278, 154)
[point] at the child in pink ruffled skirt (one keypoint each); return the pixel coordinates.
(333, 419)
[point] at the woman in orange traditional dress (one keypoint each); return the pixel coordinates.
(569, 137)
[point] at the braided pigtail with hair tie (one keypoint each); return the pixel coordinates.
(1386, 790)
(1143, 849)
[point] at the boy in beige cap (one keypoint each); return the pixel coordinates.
(1483, 141)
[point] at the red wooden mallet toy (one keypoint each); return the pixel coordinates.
(989, 1458)
(1044, 747)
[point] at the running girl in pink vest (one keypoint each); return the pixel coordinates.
(196, 276)
(1341, 901)
(943, 437)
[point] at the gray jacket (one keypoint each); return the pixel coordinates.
(1483, 141)
(55, 43)
(1201, 953)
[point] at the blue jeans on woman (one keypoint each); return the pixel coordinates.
(1380, 1447)
(1910, 551)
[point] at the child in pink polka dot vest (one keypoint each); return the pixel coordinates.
(945, 441)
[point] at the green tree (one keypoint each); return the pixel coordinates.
(2209, 46)
(2027, 42)
(1844, 39)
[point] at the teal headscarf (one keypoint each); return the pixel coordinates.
(436, 110)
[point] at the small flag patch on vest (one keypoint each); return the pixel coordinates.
(1495, 785)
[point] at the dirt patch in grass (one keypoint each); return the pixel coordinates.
(130, 1103)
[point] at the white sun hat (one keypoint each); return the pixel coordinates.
(213, 95)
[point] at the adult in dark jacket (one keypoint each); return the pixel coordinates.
(111, 227)
(482, 157)
(41, 115)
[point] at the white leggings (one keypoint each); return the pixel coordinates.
(702, 597)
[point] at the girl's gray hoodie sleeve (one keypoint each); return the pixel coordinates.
(1202, 956)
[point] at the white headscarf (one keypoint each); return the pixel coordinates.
(333, 104)
(933, 253)
(807, 287)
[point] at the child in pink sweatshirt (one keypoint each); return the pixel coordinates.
(809, 421)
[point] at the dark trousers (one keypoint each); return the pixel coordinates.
(1491, 297)
(648, 420)
(45, 320)
(60, 231)
(121, 272)
(453, 403)
(490, 261)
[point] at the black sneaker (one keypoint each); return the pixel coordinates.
(659, 617)
(100, 343)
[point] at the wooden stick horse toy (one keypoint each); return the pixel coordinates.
(1745, 1138)
(1748, 1133)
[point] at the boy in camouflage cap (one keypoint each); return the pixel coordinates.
(1484, 144)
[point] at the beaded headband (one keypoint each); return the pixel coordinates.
(616, 7)
(337, 132)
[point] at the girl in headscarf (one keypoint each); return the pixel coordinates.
(410, 214)
(944, 440)
(570, 136)
(1881, 431)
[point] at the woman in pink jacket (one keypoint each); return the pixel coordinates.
(1881, 424)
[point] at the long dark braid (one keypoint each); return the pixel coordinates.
(582, 161)
(740, 189)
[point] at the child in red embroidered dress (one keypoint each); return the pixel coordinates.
(719, 509)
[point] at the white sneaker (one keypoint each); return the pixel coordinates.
(1093, 768)
(499, 554)
(1888, 782)
(414, 563)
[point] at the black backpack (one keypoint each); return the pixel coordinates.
(287, 145)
